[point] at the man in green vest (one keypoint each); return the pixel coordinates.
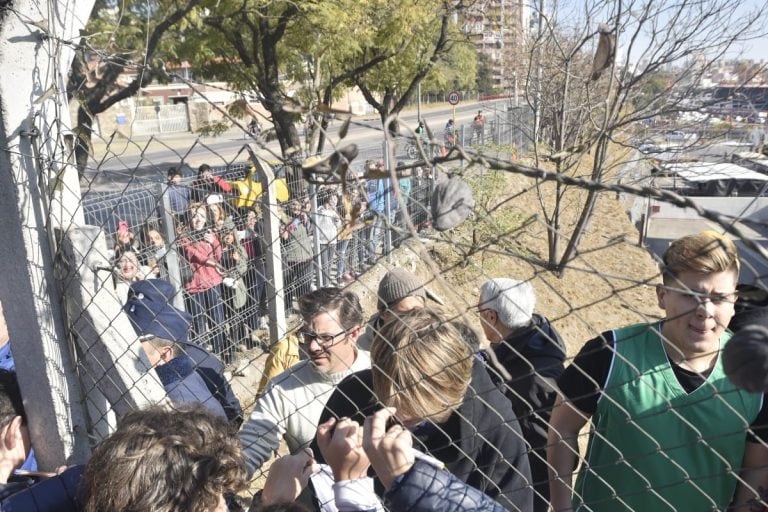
(669, 431)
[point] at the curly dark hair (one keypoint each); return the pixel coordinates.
(164, 459)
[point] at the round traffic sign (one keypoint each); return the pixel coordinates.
(453, 97)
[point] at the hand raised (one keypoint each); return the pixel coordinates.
(288, 476)
(341, 443)
(390, 451)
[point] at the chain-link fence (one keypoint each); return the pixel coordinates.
(185, 263)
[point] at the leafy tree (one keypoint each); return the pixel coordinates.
(384, 47)
(430, 46)
(120, 38)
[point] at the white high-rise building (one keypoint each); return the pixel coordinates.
(498, 29)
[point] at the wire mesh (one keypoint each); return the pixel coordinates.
(206, 237)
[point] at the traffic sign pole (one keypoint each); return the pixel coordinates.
(453, 99)
(454, 125)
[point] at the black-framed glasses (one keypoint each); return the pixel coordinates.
(324, 340)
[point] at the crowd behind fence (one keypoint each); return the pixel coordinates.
(482, 410)
(143, 215)
(141, 221)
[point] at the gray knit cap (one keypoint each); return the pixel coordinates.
(452, 202)
(398, 284)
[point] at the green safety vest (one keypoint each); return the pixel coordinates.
(654, 447)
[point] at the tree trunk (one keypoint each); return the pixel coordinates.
(83, 142)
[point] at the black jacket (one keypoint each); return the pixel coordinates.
(534, 358)
(480, 442)
(55, 494)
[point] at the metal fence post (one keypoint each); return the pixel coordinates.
(114, 369)
(387, 203)
(274, 259)
(172, 256)
(34, 64)
(316, 252)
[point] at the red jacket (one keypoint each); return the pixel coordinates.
(198, 254)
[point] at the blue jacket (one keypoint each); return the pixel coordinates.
(55, 494)
(184, 385)
(211, 369)
(426, 488)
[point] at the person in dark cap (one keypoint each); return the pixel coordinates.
(188, 372)
(399, 292)
(177, 193)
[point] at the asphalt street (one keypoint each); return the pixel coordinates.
(148, 158)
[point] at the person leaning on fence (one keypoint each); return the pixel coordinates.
(174, 459)
(672, 428)
(422, 365)
(327, 226)
(152, 314)
(399, 292)
(532, 353)
(297, 271)
(162, 329)
(201, 248)
(252, 239)
(344, 237)
(290, 406)
(234, 266)
(154, 251)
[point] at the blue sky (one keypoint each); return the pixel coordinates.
(573, 12)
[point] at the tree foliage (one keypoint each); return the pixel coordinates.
(318, 47)
(121, 38)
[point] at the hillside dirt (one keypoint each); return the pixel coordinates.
(609, 284)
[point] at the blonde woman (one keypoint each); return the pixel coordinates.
(423, 365)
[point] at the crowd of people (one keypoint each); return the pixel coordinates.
(406, 410)
(217, 238)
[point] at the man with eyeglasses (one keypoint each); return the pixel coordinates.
(670, 431)
(290, 406)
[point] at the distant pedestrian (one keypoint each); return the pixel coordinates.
(449, 134)
(478, 127)
(177, 193)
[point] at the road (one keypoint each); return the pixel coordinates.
(149, 158)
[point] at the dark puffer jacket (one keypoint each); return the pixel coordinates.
(534, 358)
(425, 488)
(55, 494)
(480, 443)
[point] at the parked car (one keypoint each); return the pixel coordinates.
(675, 136)
(649, 147)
